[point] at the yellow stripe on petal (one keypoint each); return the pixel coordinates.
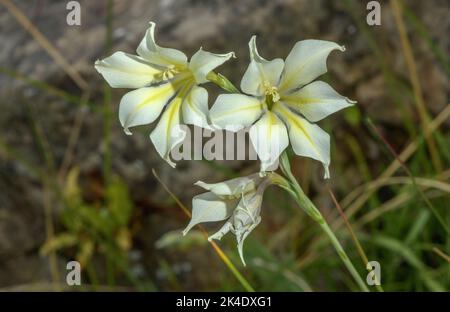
(235, 111)
(261, 75)
(306, 61)
(269, 138)
(316, 101)
(169, 133)
(307, 139)
(195, 108)
(144, 105)
(123, 70)
(149, 50)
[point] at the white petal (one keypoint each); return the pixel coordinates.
(316, 101)
(195, 108)
(202, 62)
(241, 236)
(144, 105)
(123, 70)
(207, 207)
(260, 72)
(269, 138)
(227, 227)
(307, 139)
(235, 111)
(306, 61)
(232, 187)
(246, 217)
(155, 54)
(169, 132)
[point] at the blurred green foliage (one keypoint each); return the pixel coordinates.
(99, 228)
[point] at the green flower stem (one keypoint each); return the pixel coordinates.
(307, 205)
(222, 81)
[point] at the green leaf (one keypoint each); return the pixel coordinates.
(119, 202)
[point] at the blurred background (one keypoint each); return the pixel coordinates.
(73, 186)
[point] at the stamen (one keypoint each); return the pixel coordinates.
(271, 93)
(167, 73)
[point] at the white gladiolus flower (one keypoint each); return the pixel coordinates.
(162, 77)
(238, 201)
(282, 102)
